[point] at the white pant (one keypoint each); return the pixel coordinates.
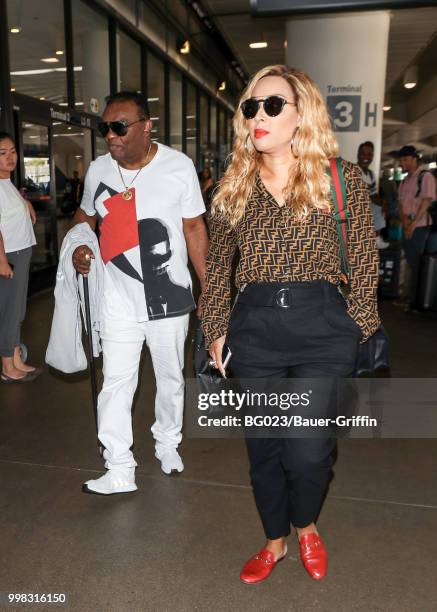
(122, 342)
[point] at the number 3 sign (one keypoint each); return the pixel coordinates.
(345, 112)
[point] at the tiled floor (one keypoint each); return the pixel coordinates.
(179, 542)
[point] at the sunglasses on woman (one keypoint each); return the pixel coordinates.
(120, 128)
(273, 106)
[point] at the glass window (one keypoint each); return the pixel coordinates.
(223, 145)
(230, 131)
(175, 109)
(71, 149)
(203, 121)
(213, 142)
(91, 58)
(155, 96)
(101, 146)
(213, 124)
(191, 123)
(37, 49)
(204, 145)
(129, 63)
(36, 185)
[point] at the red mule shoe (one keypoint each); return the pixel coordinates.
(260, 566)
(313, 555)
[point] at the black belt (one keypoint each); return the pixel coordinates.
(285, 295)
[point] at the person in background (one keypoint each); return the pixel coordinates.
(206, 186)
(274, 205)
(76, 189)
(17, 237)
(416, 192)
(365, 158)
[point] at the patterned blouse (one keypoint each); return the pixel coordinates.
(274, 247)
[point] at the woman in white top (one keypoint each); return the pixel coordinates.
(17, 237)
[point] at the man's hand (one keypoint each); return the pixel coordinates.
(32, 212)
(5, 269)
(82, 259)
(216, 350)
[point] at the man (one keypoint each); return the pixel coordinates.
(365, 158)
(147, 200)
(416, 192)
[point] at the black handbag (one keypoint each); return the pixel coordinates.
(373, 354)
(207, 376)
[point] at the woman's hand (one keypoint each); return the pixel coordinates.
(6, 270)
(216, 350)
(32, 212)
(82, 259)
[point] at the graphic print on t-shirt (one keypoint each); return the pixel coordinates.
(120, 231)
(162, 294)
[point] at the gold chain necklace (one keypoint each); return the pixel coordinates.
(127, 193)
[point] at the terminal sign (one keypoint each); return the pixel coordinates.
(347, 110)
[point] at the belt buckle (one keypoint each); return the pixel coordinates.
(283, 298)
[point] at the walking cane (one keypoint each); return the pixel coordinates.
(92, 365)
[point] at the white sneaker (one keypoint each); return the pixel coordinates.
(381, 244)
(170, 461)
(114, 481)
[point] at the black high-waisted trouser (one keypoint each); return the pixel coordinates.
(281, 330)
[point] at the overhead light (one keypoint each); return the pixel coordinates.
(43, 71)
(12, 88)
(79, 103)
(410, 77)
(78, 156)
(387, 102)
(65, 135)
(152, 99)
(15, 30)
(221, 86)
(59, 52)
(69, 127)
(184, 47)
(42, 98)
(50, 60)
(258, 45)
(432, 165)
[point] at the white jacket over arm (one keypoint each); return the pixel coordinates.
(65, 351)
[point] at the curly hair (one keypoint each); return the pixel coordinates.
(314, 144)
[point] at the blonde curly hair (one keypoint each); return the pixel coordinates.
(314, 144)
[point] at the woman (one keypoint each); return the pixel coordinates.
(17, 237)
(274, 205)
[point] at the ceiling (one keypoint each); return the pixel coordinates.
(413, 39)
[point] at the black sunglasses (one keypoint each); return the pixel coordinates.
(118, 127)
(273, 106)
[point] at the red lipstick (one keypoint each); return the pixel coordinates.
(260, 133)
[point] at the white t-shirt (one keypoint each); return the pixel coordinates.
(15, 222)
(141, 240)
